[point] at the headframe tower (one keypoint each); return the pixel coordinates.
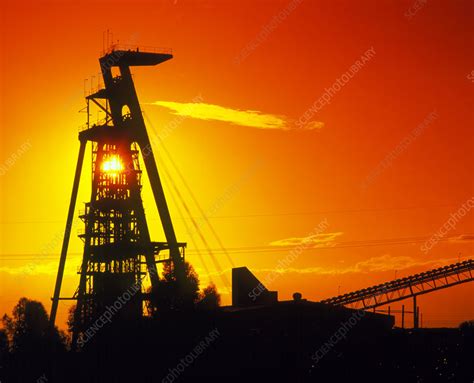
(118, 250)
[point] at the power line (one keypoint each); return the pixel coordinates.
(256, 215)
(193, 197)
(198, 252)
(198, 229)
(260, 249)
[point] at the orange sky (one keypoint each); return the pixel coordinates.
(264, 187)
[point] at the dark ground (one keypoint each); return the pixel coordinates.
(255, 351)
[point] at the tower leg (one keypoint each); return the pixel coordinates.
(415, 313)
(403, 316)
(160, 198)
(145, 238)
(67, 234)
(163, 210)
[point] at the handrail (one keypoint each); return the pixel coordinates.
(137, 48)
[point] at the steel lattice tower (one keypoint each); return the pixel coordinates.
(118, 250)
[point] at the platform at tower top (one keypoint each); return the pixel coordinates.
(133, 55)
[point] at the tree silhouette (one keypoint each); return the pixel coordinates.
(169, 295)
(28, 328)
(209, 299)
(467, 325)
(71, 319)
(4, 345)
(467, 329)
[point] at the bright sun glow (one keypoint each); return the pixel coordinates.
(112, 164)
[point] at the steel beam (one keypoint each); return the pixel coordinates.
(67, 233)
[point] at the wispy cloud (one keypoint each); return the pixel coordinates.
(43, 268)
(372, 265)
(387, 262)
(463, 238)
(322, 239)
(250, 118)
